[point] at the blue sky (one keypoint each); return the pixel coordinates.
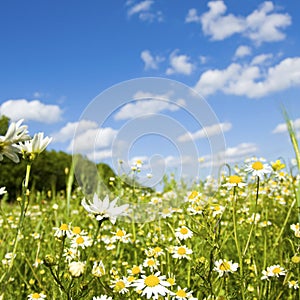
(242, 57)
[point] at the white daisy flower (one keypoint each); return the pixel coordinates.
(102, 297)
(182, 294)
(223, 266)
(104, 209)
(181, 252)
(63, 230)
(293, 284)
(183, 233)
(151, 263)
(120, 285)
(98, 269)
(36, 296)
(259, 169)
(152, 286)
(76, 268)
(233, 181)
(81, 241)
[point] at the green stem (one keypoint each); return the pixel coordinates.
(236, 238)
(254, 219)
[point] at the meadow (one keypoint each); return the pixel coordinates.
(232, 237)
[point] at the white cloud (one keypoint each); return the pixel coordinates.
(251, 80)
(147, 103)
(67, 132)
(192, 16)
(100, 155)
(260, 59)
(262, 25)
(33, 110)
(230, 155)
(151, 62)
(93, 139)
(144, 12)
(206, 132)
(180, 64)
(242, 51)
(280, 128)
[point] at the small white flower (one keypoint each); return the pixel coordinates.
(76, 268)
(259, 169)
(120, 285)
(182, 252)
(293, 284)
(223, 266)
(273, 271)
(34, 147)
(63, 230)
(152, 286)
(183, 233)
(102, 297)
(104, 209)
(36, 296)
(2, 190)
(81, 241)
(98, 269)
(182, 294)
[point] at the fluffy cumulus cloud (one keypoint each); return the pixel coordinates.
(148, 103)
(206, 132)
(231, 155)
(242, 51)
(280, 128)
(144, 11)
(264, 24)
(251, 80)
(67, 132)
(180, 64)
(33, 110)
(150, 61)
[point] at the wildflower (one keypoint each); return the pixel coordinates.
(104, 209)
(182, 294)
(171, 279)
(151, 263)
(273, 271)
(182, 252)
(76, 268)
(2, 190)
(293, 284)
(120, 285)
(152, 286)
(277, 165)
(121, 235)
(15, 134)
(98, 269)
(224, 266)
(259, 169)
(102, 297)
(183, 233)
(63, 230)
(296, 229)
(71, 254)
(36, 296)
(135, 270)
(166, 212)
(30, 149)
(81, 241)
(233, 181)
(217, 210)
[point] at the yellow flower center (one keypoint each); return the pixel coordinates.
(64, 227)
(151, 262)
(135, 270)
(76, 230)
(181, 251)
(292, 282)
(157, 249)
(151, 281)
(120, 233)
(131, 278)
(276, 270)
(120, 285)
(224, 266)
(35, 296)
(80, 240)
(184, 230)
(193, 195)
(166, 211)
(257, 166)
(181, 293)
(171, 280)
(235, 179)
